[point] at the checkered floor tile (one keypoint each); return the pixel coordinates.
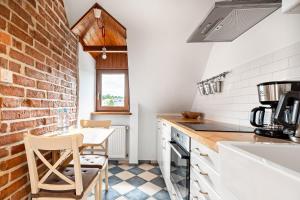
(140, 182)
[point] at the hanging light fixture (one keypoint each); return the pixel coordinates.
(100, 23)
(104, 56)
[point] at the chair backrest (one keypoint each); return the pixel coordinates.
(95, 123)
(69, 144)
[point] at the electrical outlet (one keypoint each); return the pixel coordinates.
(6, 76)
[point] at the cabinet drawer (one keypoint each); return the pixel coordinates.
(205, 172)
(201, 188)
(207, 155)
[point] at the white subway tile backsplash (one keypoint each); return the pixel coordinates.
(239, 94)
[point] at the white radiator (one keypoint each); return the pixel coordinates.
(117, 142)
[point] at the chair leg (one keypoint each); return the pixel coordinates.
(100, 186)
(106, 177)
(97, 191)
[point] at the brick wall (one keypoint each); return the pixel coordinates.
(234, 104)
(38, 47)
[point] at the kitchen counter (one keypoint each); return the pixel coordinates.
(210, 139)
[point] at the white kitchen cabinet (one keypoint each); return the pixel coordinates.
(205, 174)
(166, 152)
(163, 150)
(159, 144)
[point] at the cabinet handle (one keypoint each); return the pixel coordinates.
(194, 198)
(200, 171)
(200, 153)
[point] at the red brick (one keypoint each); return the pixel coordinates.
(21, 193)
(12, 138)
(21, 57)
(47, 104)
(3, 152)
(17, 44)
(11, 91)
(2, 48)
(12, 29)
(34, 53)
(40, 122)
(40, 113)
(2, 24)
(31, 103)
(20, 11)
(17, 149)
(18, 172)
(52, 14)
(21, 80)
(19, 22)
(39, 37)
(3, 128)
(17, 126)
(39, 131)
(32, 2)
(34, 73)
(43, 67)
(14, 114)
(15, 67)
(3, 62)
(13, 162)
(35, 94)
(53, 79)
(53, 95)
(45, 86)
(33, 12)
(5, 38)
(5, 12)
(3, 180)
(55, 49)
(42, 48)
(9, 102)
(13, 187)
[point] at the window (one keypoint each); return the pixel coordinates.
(112, 90)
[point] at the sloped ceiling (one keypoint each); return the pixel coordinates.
(90, 35)
(163, 68)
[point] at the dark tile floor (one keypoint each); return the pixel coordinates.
(142, 182)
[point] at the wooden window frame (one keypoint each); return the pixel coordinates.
(99, 107)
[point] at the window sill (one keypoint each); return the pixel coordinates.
(111, 113)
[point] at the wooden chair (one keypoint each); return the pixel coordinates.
(58, 182)
(96, 157)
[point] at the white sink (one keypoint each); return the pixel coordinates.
(261, 171)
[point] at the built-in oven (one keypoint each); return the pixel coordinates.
(180, 163)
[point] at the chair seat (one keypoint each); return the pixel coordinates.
(88, 176)
(92, 161)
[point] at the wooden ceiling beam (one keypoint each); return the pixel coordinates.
(108, 48)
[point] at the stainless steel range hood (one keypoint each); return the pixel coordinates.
(230, 19)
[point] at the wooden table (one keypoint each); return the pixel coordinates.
(92, 137)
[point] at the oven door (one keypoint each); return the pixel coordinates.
(180, 170)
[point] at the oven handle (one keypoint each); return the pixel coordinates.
(176, 148)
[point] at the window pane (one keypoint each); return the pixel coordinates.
(113, 90)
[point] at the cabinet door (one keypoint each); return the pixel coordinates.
(159, 147)
(166, 135)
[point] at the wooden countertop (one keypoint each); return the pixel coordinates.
(210, 139)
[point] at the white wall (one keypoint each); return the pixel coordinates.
(87, 84)
(275, 32)
(163, 68)
(270, 51)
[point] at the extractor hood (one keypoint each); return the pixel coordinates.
(229, 19)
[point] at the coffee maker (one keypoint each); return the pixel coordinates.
(287, 114)
(278, 98)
